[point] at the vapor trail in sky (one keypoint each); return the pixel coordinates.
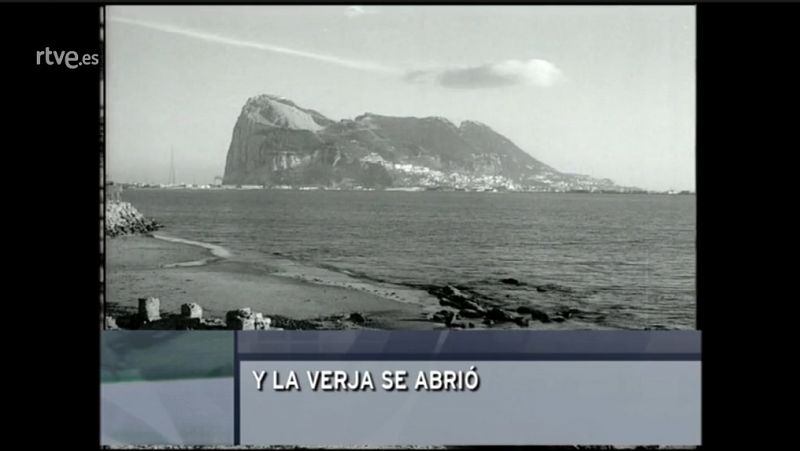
(210, 37)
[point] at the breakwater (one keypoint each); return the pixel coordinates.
(122, 218)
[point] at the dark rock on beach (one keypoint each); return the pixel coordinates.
(470, 313)
(448, 293)
(357, 318)
(522, 321)
(499, 315)
(175, 322)
(453, 297)
(444, 316)
(540, 316)
(548, 287)
(569, 312)
(656, 327)
(471, 305)
(511, 281)
(282, 322)
(535, 314)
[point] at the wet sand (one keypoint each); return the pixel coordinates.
(140, 266)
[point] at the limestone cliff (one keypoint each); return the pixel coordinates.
(276, 142)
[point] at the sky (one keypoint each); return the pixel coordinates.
(607, 91)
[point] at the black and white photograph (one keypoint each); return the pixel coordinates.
(400, 167)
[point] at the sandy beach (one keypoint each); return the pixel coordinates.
(177, 273)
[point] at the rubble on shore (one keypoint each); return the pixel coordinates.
(461, 310)
(148, 316)
(190, 317)
(465, 309)
(122, 218)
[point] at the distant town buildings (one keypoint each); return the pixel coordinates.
(434, 182)
(410, 177)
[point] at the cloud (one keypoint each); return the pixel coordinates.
(219, 39)
(358, 11)
(532, 72)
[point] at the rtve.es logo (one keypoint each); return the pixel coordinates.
(71, 59)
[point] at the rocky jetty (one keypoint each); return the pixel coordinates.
(122, 218)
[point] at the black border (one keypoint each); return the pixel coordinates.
(50, 125)
(733, 119)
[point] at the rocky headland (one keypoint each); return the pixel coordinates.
(277, 143)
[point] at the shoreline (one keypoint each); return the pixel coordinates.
(314, 275)
(295, 295)
(180, 271)
(217, 252)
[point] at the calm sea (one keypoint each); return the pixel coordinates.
(624, 260)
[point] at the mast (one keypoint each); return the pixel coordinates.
(171, 166)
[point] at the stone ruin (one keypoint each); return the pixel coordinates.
(246, 319)
(192, 310)
(149, 309)
(148, 316)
